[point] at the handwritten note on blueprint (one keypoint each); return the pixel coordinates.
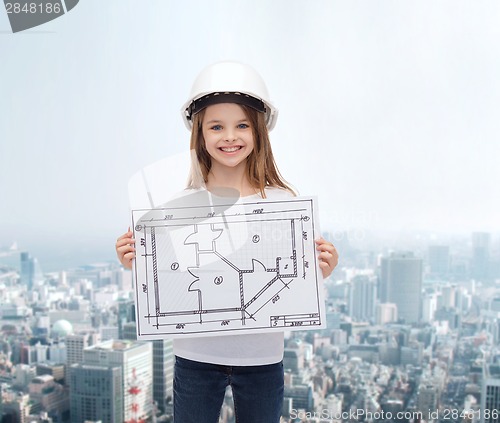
(226, 267)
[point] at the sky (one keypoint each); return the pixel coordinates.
(388, 110)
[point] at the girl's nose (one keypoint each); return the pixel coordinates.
(230, 136)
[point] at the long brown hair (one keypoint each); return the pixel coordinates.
(261, 168)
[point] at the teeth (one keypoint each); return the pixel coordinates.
(230, 149)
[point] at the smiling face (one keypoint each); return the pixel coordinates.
(228, 135)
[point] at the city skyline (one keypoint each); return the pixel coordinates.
(433, 356)
(388, 112)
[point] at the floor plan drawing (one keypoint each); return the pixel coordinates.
(227, 267)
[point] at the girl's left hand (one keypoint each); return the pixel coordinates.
(328, 256)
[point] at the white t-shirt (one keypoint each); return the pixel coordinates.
(237, 350)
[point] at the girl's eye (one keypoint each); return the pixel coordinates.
(243, 126)
(216, 127)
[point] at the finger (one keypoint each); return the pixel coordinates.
(129, 256)
(331, 260)
(326, 255)
(127, 234)
(124, 241)
(125, 248)
(329, 250)
(127, 259)
(325, 269)
(124, 251)
(325, 244)
(320, 241)
(127, 262)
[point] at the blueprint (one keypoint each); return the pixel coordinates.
(214, 267)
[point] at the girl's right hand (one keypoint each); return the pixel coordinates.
(125, 249)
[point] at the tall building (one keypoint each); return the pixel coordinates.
(293, 357)
(480, 255)
(301, 395)
(333, 320)
(129, 331)
(490, 394)
(126, 314)
(448, 296)
(122, 278)
(136, 361)
(386, 313)
(411, 354)
(30, 271)
(57, 371)
(49, 395)
(163, 372)
(362, 297)
(96, 393)
(401, 284)
(495, 304)
(429, 307)
(16, 407)
(293, 360)
(57, 353)
(76, 343)
(439, 260)
(163, 354)
(427, 399)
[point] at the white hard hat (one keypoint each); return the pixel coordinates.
(229, 82)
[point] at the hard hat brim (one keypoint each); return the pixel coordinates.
(195, 106)
(230, 97)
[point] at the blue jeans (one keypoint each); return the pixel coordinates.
(199, 390)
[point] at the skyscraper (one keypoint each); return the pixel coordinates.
(126, 314)
(136, 362)
(480, 255)
(362, 298)
(386, 313)
(427, 399)
(439, 260)
(429, 306)
(163, 371)
(96, 393)
(448, 296)
(30, 271)
(76, 343)
(401, 284)
(163, 354)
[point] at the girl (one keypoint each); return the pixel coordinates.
(229, 114)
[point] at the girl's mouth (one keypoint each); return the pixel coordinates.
(231, 149)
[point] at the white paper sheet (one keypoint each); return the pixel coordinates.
(209, 265)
